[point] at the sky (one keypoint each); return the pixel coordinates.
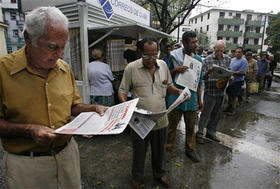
(256, 5)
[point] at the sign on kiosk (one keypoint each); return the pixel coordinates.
(124, 8)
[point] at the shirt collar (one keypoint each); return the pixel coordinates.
(21, 62)
(214, 56)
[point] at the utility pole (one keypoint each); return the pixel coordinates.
(178, 34)
(263, 32)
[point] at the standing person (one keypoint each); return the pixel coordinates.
(167, 51)
(100, 80)
(149, 79)
(34, 155)
(189, 108)
(269, 75)
(239, 66)
(251, 71)
(263, 68)
(213, 94)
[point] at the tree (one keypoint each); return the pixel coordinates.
(273, 36)
(203, 40)
(165, 13)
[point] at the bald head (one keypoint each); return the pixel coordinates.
(219, 49)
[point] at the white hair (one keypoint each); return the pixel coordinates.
(36, 20)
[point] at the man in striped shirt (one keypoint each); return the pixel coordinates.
(214, 93)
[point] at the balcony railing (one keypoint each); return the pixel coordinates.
(231, 46)
(254, 23)
(252, 47)
(230, 21)
(229, 34)
(252, 35)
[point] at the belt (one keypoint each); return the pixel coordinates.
(51, 152)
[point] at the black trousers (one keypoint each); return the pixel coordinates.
(157, 139)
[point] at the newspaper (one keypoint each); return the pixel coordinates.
(190, 78)
(220, 72)
(114, 121)
(143, 121)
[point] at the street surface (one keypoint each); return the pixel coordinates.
(247, 158)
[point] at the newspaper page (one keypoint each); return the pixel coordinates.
(114, 121)
(141, 124)
(190, 78)
(220, 72)
(143, 121)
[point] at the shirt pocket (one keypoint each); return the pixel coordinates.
(161, 89)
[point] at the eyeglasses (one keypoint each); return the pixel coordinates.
(144, 56)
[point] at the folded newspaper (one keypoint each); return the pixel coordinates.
(114, 121)
(143, 121)
(219, 72)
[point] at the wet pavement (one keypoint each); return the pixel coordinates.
(248, 156)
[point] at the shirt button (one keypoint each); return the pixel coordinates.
(52, 126)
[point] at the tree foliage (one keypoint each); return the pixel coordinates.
(273, 35)
(203, 40)
(165, 13)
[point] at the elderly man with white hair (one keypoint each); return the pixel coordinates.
(213, 94)
(38, 94)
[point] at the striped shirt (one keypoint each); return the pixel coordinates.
(210, 83)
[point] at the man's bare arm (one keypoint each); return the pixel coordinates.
(122, 97)
(40, 134)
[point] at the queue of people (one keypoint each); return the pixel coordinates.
(27, 122)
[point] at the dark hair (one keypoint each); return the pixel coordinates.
(130, 55)
(187, 35)
(150, 41)
(239, 48)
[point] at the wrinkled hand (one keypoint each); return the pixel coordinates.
(181, 69)
(42, 135)
(101, 109)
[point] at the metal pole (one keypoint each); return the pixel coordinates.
(263, 33)
(178, 29)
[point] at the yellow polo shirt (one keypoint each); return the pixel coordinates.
(151, 93)
(29, 98)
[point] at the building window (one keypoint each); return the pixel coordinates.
(235, 40)
(13, 16)
(256, 41)
(194, 30)
(258, 29)
(236, 28)
(219, 38)
(230, 13)
(200, 29)
(221, 27)
(195, 20)
(246, 41)
(249, 17)
(15, 33)
(189, 21)
(208, 16)
(238, 15)
(228, 27)
(228, 38)
(222, 14)
(13, 1)
(201, 19)
(207, 28)
(247, 29)
(185, 29)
